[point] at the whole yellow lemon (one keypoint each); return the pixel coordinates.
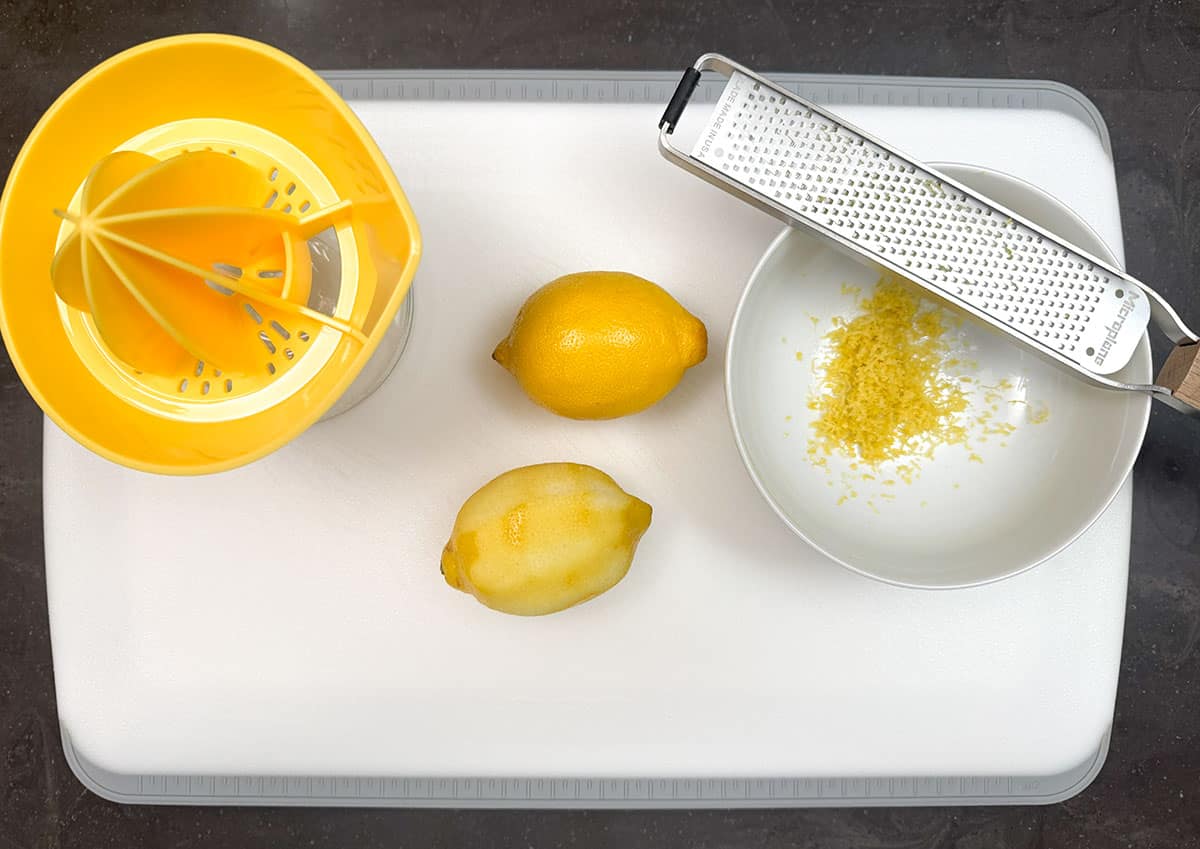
(601, 344)
(543, 538)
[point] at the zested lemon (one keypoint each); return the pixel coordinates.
(543, 538)
(601, 344)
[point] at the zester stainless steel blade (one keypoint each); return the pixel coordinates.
(810, 167)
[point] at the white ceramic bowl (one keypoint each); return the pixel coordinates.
(960, 522)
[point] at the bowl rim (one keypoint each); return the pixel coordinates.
(955, 169)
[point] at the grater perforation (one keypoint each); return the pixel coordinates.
(810, 168)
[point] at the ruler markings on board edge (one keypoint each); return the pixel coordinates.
(658, 86)
(583, 792)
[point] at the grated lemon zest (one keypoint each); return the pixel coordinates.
(884, 394)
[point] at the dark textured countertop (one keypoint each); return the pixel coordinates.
(1139, 62)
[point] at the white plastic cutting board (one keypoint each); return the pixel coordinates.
(289, 617)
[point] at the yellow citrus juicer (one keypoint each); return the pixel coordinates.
(200, 248)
